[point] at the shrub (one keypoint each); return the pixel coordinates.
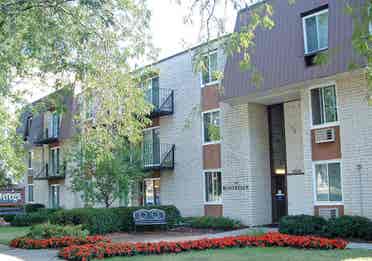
(30, 208)
(8, 218)
(106, 249)
(44, 231)
(106, 220)
(213, 223)
(350, 227)
(303, 225)
(29, 219)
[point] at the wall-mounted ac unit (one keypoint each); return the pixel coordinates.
(328, 213)
(325, 135)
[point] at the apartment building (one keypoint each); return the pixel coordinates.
(181, 150)
(300, 142)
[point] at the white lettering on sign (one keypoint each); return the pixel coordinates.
(11, 197)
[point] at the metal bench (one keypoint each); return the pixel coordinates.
(145, 217)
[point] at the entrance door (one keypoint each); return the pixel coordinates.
(278, 162)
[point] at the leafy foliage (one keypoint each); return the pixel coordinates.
(45, 231)
(222, 223)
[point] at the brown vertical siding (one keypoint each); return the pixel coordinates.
(279, 53)
(340, 209)
(212, 156)
(210, 98)
(326, 151)
(30, 180)
(213, 210)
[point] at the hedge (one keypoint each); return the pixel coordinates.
(107, 220)
(353, 227)
(222, 223)
(40, 216)
(33, 207)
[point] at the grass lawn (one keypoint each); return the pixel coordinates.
(9, 233)
(267, 254)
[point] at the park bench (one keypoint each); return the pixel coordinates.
(146, 217)
(11, 210)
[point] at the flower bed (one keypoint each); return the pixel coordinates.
(106, 249)
(56, 242)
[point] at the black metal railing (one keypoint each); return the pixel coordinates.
(46, 136)
(49, 172)
(158, 156)
(162, 100)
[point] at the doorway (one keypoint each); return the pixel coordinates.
(278, 162)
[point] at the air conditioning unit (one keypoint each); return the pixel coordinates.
(325, 135)
(328, 213)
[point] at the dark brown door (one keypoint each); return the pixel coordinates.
(278, 162)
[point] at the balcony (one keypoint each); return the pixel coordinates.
(158, 156)
(162, 100)
(49, 173)
(47, 136)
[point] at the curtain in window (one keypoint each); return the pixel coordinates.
(322, 182)
(329, 94)
(311, 34)
(335, 192)
(323, 30)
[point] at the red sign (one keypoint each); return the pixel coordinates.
(12, 197)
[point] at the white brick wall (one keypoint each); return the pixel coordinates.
(245, 159)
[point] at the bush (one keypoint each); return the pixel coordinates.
(303, 225)
(8, 218)
(106, 220)
(344, 227)
(29, 219)
(45, 231)
(213, 223)
(350, 227)
(31, 208)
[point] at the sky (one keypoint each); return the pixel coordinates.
(170, 35)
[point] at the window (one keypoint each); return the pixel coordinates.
(54, 196)
(328, 182)
(209, 69)
(151, 88)
(211, 126)
(151, 147)
(213, 187)
(152, 192)
(30, 190)
(53, 125)
(28, 126)
(324, 105)
(316, 31)
(54, 161)
(29, 159)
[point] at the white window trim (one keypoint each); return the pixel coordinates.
(220, 202)
(204, 143)
(327, 203)
(328, 124)
(305, 31)
(210, 74)
(28, 193)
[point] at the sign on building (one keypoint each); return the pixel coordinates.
(12, 197)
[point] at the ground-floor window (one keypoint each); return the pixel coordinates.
(213, 187)
(30, 192)
(151, 192)
(328, 181)
(54, 196)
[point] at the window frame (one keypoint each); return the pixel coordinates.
(317, 28)
(210, 76)
(220, 202)
(203, 138)
(59, 195)
(58, 151)
(326, 203)
(28, 193)
(328, 124)
(151, 129)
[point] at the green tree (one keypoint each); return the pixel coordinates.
(104, 173)
(87, 45)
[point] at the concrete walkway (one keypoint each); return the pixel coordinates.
(11, 254)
